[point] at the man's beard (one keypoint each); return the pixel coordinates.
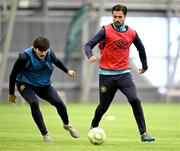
(117, 25)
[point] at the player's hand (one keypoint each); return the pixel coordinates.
(12, 98)
(92, 59)
(141, 71)
(71, 73)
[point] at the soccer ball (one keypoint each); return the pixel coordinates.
(97, 136)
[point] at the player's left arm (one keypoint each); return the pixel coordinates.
(142, 54)
(60, 65)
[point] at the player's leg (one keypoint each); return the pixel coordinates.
(107, 91)
(29, 95)
(50, 94)
(128, 88)
(135, 103)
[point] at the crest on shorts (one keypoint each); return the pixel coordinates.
(22, 87)
(103, 89)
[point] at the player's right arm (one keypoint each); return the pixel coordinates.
(17, 68)
(100, 36)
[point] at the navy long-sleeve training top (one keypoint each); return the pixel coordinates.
(22, 61)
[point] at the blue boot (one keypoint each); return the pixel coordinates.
(147, 138)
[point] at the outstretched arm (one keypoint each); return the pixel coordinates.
(60, 65)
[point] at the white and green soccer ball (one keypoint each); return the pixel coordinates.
(97, 136)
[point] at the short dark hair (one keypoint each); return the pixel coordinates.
(41, 43)
(120, 8)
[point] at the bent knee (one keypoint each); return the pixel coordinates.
(34, 105)
(134, 101)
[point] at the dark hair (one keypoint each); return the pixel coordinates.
(120, 8)
(41, 43)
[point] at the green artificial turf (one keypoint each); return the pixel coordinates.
(18, 131)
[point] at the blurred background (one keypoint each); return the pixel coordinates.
(69, 24)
